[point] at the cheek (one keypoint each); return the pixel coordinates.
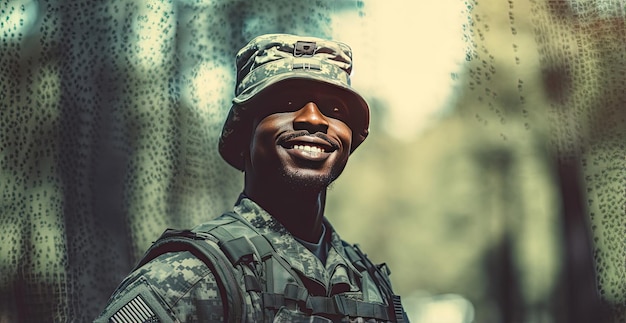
(257, 144)
(262, 141)
(344, 133)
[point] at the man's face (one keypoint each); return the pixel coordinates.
(303, 141)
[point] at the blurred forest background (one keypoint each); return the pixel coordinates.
(492, 182)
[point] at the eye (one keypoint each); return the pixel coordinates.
(293, 103)
(337, 111)
(289, 105)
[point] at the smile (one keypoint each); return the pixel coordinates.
(308, 148)
(305, 142)
(304, 146)
(309, 151)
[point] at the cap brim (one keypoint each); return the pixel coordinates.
(233, 143)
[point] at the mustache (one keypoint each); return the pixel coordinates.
(302, 133)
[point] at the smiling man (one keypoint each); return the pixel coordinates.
(294, 122)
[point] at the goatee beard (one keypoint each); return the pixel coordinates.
(300, 182)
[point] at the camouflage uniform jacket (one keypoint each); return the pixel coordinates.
(178, 287)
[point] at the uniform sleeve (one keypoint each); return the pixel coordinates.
(174, 287)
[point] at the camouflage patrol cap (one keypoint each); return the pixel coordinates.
(272, 63)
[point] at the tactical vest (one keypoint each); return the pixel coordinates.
(245, 257)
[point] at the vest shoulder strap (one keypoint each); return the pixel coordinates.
(205, 248)
(222, 244)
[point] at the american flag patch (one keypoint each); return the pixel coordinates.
(134, 311)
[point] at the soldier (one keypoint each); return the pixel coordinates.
(293, 124)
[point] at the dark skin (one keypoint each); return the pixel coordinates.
(294, 155)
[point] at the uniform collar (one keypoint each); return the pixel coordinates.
(338, 275)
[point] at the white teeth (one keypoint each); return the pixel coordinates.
(309, 148)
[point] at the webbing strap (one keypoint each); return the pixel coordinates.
(252, 283)
(398, 309)
(335, 305)
(296, 293)
(222, 234)
(238, 250)
(293, 293)
(350, 307)
(240, 245)
(262, 246)
(273, 301)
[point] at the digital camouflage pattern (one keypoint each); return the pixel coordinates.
(181, 288)
(268, 59)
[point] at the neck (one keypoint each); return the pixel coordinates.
(300, 211)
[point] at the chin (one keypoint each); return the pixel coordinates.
(308, 180)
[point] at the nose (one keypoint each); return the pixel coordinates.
(310, 118)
